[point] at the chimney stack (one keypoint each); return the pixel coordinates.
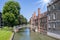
(39, 12)
(34, 14)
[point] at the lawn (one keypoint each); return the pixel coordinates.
(5, 34)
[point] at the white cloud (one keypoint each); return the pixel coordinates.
(42, 3)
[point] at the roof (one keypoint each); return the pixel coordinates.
(44, 14)
(52, 2)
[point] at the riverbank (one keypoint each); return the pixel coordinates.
(5, 34)
(38, 36)
(12, 37)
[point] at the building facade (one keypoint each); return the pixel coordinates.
(39, 16)
(39, 22)
(43, 23)
(48, 22)
(35, 21)
(53, 21)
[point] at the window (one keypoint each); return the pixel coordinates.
(53, 6)
(57, 6)
(49, 9)
(54, 26)
(48, 17)
(49, 26)
(54, 16)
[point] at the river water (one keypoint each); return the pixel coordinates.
(27, 35)
(23, 35)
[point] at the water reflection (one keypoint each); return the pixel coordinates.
(23, 35)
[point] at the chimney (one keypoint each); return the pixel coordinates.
(39, 12)
(39, 19)
(34, 14)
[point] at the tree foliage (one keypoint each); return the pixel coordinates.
(12, 7)
(11, 14)
(22, 19)
(8, 19)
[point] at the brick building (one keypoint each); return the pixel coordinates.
(38, 23)
(43, 23)
(35, 21)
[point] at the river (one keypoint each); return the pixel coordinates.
(27, 35)
(23, 35)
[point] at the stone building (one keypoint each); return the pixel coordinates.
(53, 21)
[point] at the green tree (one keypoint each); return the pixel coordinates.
(12, 7)
(23, 20)
(11, 11)
(8, 19)
(11, 14)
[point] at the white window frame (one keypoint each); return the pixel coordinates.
(48, 9)
(54, 26)
(48, 17)
(53, 7)
(54, 16)
(49, 26)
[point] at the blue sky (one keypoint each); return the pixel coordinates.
(28, 7)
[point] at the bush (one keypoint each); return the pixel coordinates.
(7, 28)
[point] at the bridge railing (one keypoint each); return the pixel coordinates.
(18, 26)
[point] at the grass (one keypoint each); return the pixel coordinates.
(37, 36)
(5, 34)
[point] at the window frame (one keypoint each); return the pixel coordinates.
(54, 15)
(54, 26)
(48, 17)
(49, 26)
